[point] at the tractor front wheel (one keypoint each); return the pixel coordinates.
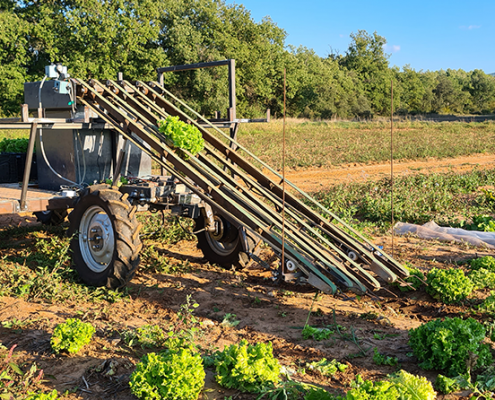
(105, 238)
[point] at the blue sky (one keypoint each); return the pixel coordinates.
(427, 35)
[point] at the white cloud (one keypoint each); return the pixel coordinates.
(470, 27)
(341, 35)
(391, 48)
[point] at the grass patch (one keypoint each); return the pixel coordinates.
(315, 144)
(14, 134)
(417, 199)
(41, 270)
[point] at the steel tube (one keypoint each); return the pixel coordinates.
(27, 167)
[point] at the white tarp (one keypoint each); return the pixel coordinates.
(431, 230)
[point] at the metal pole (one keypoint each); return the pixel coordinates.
(392, 158)
(27, 167)
(283, 180)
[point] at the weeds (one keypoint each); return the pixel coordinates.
(45, 273)
(335, 143)
(230, 320)
(417, 199)
(14, 382)
(166, 228)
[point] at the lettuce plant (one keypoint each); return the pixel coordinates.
(448, 285)
(183, 136)
(453, 345)
(71, 335)
(413, 387)
(369, 390)
(482, 278)
(171, 375)
(53, 395)
(487, 262)
(246, 367)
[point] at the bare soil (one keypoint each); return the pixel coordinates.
(267, 311)
(316, 179)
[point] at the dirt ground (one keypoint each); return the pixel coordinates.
(316, 179)
(267, 311)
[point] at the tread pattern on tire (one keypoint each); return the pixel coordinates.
(126, 232)
(225, 261)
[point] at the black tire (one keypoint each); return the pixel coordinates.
(51, 217)
(223, 250)
(103, 217)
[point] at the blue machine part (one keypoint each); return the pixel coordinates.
(61, 87)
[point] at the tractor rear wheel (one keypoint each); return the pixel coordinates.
(221, 247)
(105, 243)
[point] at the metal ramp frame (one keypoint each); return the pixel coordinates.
(327, 256)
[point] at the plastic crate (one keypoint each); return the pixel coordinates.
(12, 167)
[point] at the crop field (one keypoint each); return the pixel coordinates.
(323, 346)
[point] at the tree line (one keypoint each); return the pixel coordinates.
(99, 38)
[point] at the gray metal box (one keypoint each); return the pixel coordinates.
(85, 156)
(50, 100)
(80, 156)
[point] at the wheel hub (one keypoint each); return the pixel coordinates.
(96, 239)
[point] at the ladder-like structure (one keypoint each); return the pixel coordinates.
(326, 252)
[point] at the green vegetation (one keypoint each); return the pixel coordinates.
(402, 385)
(483, 223)
(183, 136)
(417, 198)
(71, 336)
(325, 367)
(380, 359)
(413, 387)
(171, 375)
(453, 345)
(53, 395)
(448, 385)
(145, 336)
(335, 143)
(482, 278)
(43, 270)
(488, 305)
(487, 262)
(311, 332)
(14, 145)
(356, 83)
(448, 285)
(16, 383)
(246, 367)
(415, 279)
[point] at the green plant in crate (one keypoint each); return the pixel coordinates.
(453, 345)
(246, 367)
(183, 136)
(13, 145)
(448, 285)
(173, 374)
(71, 335)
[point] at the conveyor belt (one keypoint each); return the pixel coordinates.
(329, 253)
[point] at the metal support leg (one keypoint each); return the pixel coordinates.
(27, 168)
(118, 164)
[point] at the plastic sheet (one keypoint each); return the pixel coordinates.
(432, 231)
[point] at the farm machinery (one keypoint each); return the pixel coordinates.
(86, 131)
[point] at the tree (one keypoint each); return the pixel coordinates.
(482, 89)
(366, 56)
(13, 58)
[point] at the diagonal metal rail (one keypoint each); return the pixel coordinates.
(320, 249)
